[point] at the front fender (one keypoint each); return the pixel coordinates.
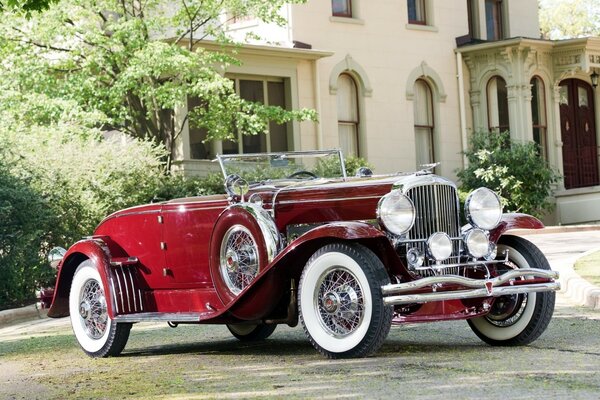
(93, 250)
(515, 221)
(289, 262)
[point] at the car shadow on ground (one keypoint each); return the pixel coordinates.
(298, 347)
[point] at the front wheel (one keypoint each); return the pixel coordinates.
(251, 332)
(97, 334)
(516, 320)
(340, 302)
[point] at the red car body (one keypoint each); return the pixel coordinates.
(165, 261)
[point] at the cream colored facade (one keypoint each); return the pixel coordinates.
(385, 55)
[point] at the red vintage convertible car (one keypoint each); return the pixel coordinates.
(295, 239)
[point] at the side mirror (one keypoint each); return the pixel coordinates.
(55, 256)
(236, 186)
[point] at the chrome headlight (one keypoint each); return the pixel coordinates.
(396, 212)
(440, 246)
(478, 244)
(483, 209)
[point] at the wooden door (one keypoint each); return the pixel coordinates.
(578, 131)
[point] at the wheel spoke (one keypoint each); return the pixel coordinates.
(340, 302)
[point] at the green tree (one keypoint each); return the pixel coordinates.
(131, 63)
(564, 19)
(515, 171)
(25, 6)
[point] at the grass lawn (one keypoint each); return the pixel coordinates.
(588, 267)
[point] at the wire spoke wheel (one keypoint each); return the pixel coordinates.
(340, 302)
(239, 261)
(92, 309)
(97, 334)
(518, 319)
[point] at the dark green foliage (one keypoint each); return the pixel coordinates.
(177, 186)
(23, 234)
(514, 170)
(330, 166)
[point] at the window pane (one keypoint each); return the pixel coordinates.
(198, 150)
(348, 138)
(424, 146)
(347, 102)
(503, 122)
(341, 8)
(493, 19)
(497, 97)
(563, 95)
(422, 104)
(277, 132)
(253, 91)
(582, 96)
(416, 11)
(347, 99)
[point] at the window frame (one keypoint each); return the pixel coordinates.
(542, 124)
(347, 14)
(239, 144)
(498, 18)
(431, 127)
(500, 127)
(356, 123)
(423, 6)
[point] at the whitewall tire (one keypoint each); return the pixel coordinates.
(517, 319)
(97, 334)
(340, 302)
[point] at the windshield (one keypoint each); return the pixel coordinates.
(298, 165)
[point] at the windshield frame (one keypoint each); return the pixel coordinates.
(223, 158)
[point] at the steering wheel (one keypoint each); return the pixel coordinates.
(303, 172)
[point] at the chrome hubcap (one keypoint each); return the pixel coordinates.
(339, 302)
(92, 309)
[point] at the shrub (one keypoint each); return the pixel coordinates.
(514, 170)
(58, 182)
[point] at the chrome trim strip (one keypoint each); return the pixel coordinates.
(126, 288)
(468, 282)
(114, 293)
(197, 209)
(158, 316)
(135, 308)
(468, 294)
(120, 289)
(324, 200)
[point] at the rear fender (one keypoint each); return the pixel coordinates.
(514, 221)
(91, 249)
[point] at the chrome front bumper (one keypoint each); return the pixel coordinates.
(403, 293)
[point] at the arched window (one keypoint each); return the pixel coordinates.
(497, 101)
(348, 117)
(424, 123)
(538, 115)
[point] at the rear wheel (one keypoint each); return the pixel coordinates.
(251, 332)
(517, 319)
(97, 334)
(340, 302)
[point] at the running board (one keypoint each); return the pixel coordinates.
(163, 317)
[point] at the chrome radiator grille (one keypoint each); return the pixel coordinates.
(436, 211)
